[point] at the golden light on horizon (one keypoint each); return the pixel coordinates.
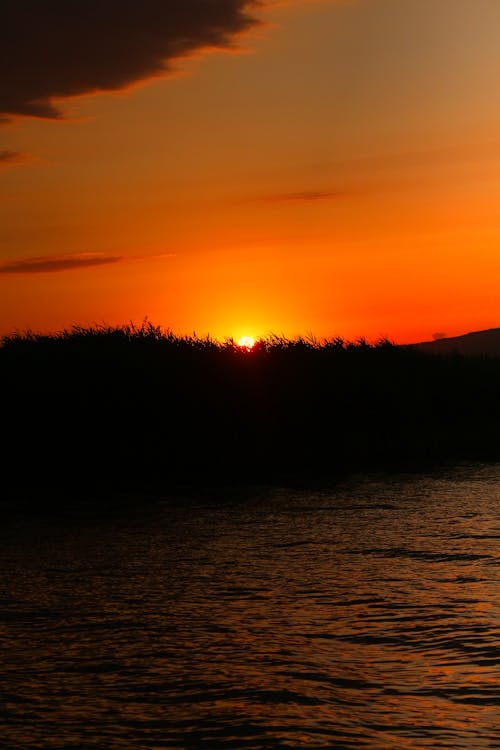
(357, 199)
(246, 342)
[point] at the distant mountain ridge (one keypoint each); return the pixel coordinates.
(474, 343)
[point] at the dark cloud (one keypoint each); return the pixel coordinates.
(12, 157)
(304, 195)
(59, 48)
(49, 263)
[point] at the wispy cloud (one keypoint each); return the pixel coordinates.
(53, 49)
(9, 158)
(50, 263)
(303, 196)
(72, 262)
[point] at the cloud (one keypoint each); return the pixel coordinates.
(56, 48)
(50, 263)
(72, 262)
(304, 196)
(8, 158)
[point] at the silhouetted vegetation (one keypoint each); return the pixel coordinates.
(140, 409)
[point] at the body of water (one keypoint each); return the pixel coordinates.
(363, 617)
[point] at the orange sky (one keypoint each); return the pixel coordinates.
(337, 172)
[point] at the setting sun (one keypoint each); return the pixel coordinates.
(249, 300)
(246, 342)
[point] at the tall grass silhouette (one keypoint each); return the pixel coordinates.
(137, 408)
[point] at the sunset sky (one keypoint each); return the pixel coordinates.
(236, 168)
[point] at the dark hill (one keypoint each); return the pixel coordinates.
(486, 343)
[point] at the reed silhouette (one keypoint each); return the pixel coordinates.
(138, 409)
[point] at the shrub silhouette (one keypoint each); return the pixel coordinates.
(136, 408)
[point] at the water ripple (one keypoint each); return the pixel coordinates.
(365, 617)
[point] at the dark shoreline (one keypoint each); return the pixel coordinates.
(98, 411)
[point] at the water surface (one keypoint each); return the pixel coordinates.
(366, 616)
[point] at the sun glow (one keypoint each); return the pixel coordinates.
(246, 342)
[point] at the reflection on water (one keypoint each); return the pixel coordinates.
(364, 617)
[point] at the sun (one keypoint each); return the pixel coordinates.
(246, 342)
